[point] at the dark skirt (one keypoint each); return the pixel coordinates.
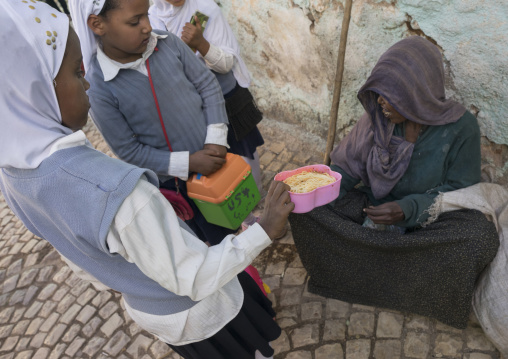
(429, 271)
(205, 231)
(252, 329)
(244, 114)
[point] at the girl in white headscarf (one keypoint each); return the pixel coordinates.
(106, 217)
(214, 43)
(28, 101)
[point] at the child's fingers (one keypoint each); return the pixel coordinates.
(276, 187)
(217, 150)
(217, 160)
(278, 196)
(212, 153)
(282, 200)
(281, 192)
(284, 197)
(270, 190)
(189, 28)
(290, 207)
(185, 38)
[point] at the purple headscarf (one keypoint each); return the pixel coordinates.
(410, 76)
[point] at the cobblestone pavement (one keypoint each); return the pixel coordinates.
(47, 312)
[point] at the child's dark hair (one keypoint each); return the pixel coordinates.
(109, 5)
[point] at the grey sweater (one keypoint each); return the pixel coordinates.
(190, 99)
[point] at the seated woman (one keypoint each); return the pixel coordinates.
(410, 145)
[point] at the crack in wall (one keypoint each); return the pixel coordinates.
(474, 110)
(249, 29)
(414, 29)
(293, 4)
(312, 22)
(312, 14)
(385, 3)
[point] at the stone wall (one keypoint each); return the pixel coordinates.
(290, 47)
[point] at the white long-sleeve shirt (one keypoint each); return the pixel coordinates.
(145, 231)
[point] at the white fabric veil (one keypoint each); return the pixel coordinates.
(164, 16)
(33, 37)
(80, 11)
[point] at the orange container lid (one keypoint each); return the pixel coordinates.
(217, 186)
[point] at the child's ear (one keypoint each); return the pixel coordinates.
(96, 24)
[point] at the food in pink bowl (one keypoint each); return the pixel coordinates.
(322, 188)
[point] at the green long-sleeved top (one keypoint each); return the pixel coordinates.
(445, 158)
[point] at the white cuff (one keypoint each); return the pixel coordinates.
(253, 240)
(217, 134)
(218, 60)
(179, 165)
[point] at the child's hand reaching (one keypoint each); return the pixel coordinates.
(206, 162)
(278, 205)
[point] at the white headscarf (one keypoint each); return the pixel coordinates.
(80, 11)
(164, 16)
(33, 37)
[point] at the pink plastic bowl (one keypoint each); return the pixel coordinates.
(306, 202)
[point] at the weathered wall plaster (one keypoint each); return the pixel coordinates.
(291, 46)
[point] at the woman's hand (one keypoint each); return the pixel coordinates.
(278, 205)
(205, 162)
(387, 213)
(192, 35)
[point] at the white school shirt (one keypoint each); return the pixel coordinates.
(145, 231)
(179, 161)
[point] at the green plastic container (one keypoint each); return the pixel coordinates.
(226, 197)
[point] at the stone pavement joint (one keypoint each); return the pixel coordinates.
(47, 312)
